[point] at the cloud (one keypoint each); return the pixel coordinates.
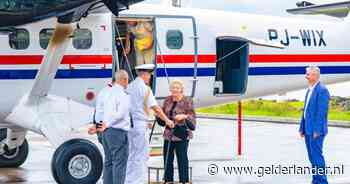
(268, 7)
(271, 7)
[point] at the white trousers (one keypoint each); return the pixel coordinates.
(138, 156)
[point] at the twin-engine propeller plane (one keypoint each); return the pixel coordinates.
(49, 75)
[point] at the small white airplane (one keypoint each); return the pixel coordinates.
(50, 75)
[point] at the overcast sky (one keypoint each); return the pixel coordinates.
(269, 7)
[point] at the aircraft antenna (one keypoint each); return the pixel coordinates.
(177, 3)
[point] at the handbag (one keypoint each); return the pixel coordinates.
(180, 131)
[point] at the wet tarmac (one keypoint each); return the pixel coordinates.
(213, 151)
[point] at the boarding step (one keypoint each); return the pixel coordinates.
(158, 172)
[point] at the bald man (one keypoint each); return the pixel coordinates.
(115, 127)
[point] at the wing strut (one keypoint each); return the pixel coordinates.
(46, 114)
(51, 61)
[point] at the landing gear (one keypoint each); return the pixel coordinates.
(77, 161)
(12, 157)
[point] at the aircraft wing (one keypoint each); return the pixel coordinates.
(99, 8)
(106, 6)
(339, 10)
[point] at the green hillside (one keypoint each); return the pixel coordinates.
(339, 108)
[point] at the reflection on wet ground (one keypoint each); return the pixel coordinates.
(215, 143)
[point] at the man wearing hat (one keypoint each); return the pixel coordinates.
(142, 100)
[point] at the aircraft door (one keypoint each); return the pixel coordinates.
(232, 66)
(177, 57)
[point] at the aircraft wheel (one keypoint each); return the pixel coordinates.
(14, 157)
(77, 161)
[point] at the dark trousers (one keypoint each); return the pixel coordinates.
(314, 149)
(116, 147)
(180, 148)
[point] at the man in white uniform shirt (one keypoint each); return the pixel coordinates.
(99, 109)
(115, 127)
(142, 99)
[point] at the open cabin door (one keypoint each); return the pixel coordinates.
(232, 66)
(177, 57)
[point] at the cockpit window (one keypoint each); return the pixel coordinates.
(82, 39)
(19, 39)
(4, 5)
(45, 36)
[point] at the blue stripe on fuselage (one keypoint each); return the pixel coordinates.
(253, 71)
(61, 74)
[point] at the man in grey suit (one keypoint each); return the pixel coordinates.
(115, 127)
(313, 126)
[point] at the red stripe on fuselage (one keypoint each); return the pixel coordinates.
(174, 59)
(259, 58)
(299, 58)
(67, 59)
(185, 59)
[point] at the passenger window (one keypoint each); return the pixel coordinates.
(82, 39)
(19, 39)
(44, 37)
(174, 39)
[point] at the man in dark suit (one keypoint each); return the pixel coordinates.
(313, 124)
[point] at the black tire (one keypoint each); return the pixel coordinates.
(69, 153)
(15, 157)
